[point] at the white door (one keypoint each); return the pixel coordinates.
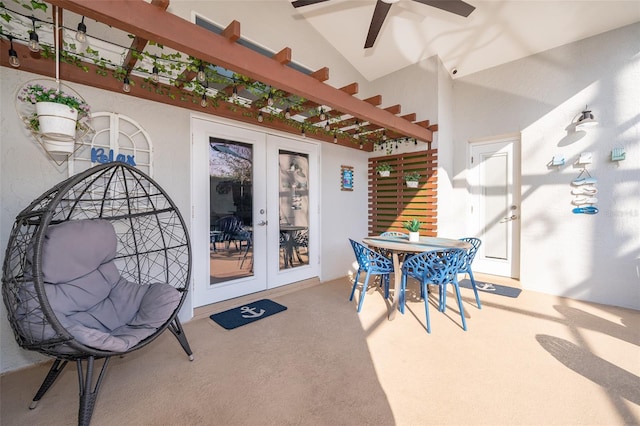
(237, 249)
(494, 183)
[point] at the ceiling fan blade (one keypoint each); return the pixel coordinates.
(379, 14)
(300, 3)
(454, 6)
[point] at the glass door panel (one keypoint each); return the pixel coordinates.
(293, 209)
(230, 210)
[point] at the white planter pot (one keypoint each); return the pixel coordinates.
(57, 121)
(384, 173)
(414, 237)
(412, 183)
(58, 147)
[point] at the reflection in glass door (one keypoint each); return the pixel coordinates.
(230, 210)
(293, 209)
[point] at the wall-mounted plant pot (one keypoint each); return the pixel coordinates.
(384, 173)
(414, 237)
(412, 183)
(57, 121)
(58, 147)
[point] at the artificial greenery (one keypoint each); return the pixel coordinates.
(412, 225)
(384, 167)
(412, 176)
(34, 93)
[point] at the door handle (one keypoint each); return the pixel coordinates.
(512, 217)
(262, 223)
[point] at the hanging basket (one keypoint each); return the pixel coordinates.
(384, 173)
(412, 183)
(57, 121)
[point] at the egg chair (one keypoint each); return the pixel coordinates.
(97, 266)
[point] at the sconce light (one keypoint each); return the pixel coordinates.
(34, 42)
(586, 119)
(13, 56)
(81, 34)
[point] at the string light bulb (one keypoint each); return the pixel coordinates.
(81, 34)
(270, 99)
(384, 135)
(154, 74)
(34, 42)
(234, 96)
(303, 133)
(13, 56)
(260, 117)
(326, 126)
(323, 116)
(287, 113)
(203, 102)
(335, 137)
(126, 85)
(361, 145)
(201, 76)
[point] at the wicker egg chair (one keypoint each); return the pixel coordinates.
(97, 266)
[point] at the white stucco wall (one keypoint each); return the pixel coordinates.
(588, 257)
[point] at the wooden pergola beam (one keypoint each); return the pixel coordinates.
(150, 22)
(138, 44)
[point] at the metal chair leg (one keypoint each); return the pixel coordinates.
(88, 391)
(178, 331)
(52, 375)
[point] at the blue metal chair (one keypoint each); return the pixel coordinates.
(372, 263)
(438, 267)
(468, 259)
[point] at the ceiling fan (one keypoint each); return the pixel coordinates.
(457, 7)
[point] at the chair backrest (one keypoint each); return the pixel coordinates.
(470, 253)
(394, 234)
(229, 225)
(369, 260)
(436, 266)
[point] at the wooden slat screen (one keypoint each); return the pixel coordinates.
(391, 202)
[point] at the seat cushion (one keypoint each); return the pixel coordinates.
(90, 299)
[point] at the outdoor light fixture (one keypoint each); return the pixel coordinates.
(126, 85)
(303, 133)
(260, 117)
(154, 74)
(384, 135)
(322, 114)
(326, 126)
(270, 99)
(586, 119)
(234, 96)
(203, 102)
(202, 77)
(287, 113)
(13, 56)
(34, 42)
(335, 137)
(81, 34)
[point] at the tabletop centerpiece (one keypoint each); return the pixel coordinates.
(413, 226)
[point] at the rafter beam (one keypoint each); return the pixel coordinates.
(138, 44)
(148, 21)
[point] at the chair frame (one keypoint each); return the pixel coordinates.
(153, 246)
(373, 263)
(439, 267)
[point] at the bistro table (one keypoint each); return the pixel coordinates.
(289, 234)
(402, 245)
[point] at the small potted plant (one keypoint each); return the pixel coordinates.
(57, 116)
(412, 178)
(384, 169)
(413, 226)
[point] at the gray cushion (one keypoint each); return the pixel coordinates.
(90, 298)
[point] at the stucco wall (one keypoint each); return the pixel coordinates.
(588, 257)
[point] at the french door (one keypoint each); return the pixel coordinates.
(254, 224)
(494, 186)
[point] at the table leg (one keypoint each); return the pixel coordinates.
(397, 276)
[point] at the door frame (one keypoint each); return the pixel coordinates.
(511, 268)
(199, 225)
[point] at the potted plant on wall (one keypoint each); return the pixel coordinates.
(384, 169)
(413, 226)
(412, 178)
(56, 118)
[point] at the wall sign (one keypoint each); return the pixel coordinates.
(346, 178)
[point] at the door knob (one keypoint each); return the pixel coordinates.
(262, 223)
(512, 217)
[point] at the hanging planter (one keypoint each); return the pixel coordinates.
(412, 179)
(57, 121)
(55, 118)
(384, 169)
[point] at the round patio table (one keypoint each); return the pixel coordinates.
(401, 246)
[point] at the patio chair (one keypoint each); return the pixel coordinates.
(438, 267)
(230, 230)
(468, 260)
(95, 267)
(373, 263)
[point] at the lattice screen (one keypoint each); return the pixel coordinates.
(391, 202)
